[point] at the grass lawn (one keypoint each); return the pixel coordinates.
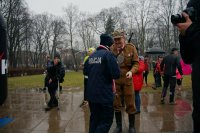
(72, 79)
(75, 79)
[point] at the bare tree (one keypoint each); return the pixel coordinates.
(86, 32)
(58, 34)
(16, 15)
(167, 8)
(71, 15)
(39, 24)
(141, 12)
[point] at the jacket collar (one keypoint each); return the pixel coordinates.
(103, 47)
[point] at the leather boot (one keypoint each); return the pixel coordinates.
(118, 117)
(131, 118)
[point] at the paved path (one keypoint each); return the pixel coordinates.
(26, 107)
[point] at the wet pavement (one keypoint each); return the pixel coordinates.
(26, 106)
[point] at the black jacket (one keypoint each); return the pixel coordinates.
(169, 65)
(190, 47)
(190, 52)
(56, 72)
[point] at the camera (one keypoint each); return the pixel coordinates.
(178, 18)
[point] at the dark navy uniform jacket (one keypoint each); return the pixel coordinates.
(101, 68)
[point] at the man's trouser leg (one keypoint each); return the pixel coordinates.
(159, 80)
(85, 88)
(172, 88)
(129, 96)
(52, 92)
(165, 86)
(94, 117)
(101, 117)
(106, 118)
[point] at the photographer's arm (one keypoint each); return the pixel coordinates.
(186, 44)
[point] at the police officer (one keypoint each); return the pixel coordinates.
(128, 61)
(101, 68)
(54, 73)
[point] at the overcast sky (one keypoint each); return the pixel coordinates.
(56, 6)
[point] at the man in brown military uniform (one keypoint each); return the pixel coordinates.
(128, 61)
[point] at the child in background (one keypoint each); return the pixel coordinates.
(138, 82)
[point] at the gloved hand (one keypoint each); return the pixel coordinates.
(129, 74)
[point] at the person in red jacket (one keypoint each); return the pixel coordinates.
(157, 73)
(138, 82)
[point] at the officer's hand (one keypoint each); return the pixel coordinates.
(129, 74)
(182, 27)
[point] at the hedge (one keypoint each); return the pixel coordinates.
(13, 72)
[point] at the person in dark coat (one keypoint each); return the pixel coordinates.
(55, 72)
(168, 66)
(190, 52)
(101, 68)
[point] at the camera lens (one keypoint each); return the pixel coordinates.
(177, 19)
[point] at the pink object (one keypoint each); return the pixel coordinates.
(187, 69)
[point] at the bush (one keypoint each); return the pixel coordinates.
(13, 72)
